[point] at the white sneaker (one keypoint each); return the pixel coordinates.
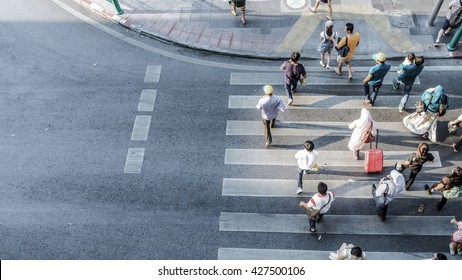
(290, 101)
(327, 66)
(299, 190)
(322, 64)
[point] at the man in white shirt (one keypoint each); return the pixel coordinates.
(322, 201)
(306, 160)
(269, 106)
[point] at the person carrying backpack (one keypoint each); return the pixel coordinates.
(452, 21)
(424, 121)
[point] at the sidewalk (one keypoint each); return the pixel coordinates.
(276, 28)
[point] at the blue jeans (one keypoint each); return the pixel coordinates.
(375, 91)
(289, 88)
(406, 92)
(313, 222)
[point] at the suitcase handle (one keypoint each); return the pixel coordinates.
(376, 140)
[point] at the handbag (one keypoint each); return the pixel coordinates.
(452, 193)
(313, 213)
(368, 137)
(382, 199)
(343, 51)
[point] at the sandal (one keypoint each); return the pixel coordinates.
(421, 208)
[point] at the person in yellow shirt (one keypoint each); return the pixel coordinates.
(353, 42)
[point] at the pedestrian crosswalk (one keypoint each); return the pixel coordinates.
(353, 185)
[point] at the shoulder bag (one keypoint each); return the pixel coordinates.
(343, 51)
(452, 193)
(368, 137)
(313, 214)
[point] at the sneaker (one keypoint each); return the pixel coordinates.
(451, 251)
(395, 85)
(267, 144)
(322, 64)
(290, 101)
(400, 110)
(454, 148)
(436, 44)
(299, 190)
(327, 66)
(312, 230)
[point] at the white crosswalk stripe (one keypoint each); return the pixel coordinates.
(258, 78)
(357, 187)
(318, 102)
(325, 159)
(287, 188)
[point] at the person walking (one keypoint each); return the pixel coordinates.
(269, 106)
(434, 103)
(375, 77)
(452, 125)
(348, 252)
(321, 201)
(452, 21)
(329, 5)
(293, 71)
(360, 127)
(456, 238)
(448, 186)
(439, 257)
(383, 194)
(328, 36)
(239, 4)
(407, 77)
(306, 160)
(352, 41)
(416, 161)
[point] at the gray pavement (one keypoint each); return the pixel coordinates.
(276, 28)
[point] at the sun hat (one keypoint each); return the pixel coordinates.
(379, 56)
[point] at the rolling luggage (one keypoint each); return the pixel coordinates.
(373, 161)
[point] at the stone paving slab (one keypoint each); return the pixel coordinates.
(276, 28)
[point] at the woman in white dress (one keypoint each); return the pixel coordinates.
(360, 127)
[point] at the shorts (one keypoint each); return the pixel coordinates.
(446, 25)
(341, 59)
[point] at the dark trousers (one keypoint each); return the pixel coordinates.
(382, 212)
(441, 203)
(313, 222)
(268, 124)
(375, 91)
(411, 179)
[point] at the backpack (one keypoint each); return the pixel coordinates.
(455, 16)
(436, 102)
(451, 193)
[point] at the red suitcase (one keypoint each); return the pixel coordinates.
(373, 162)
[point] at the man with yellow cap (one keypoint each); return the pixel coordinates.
(375, 77)
(269, 106)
